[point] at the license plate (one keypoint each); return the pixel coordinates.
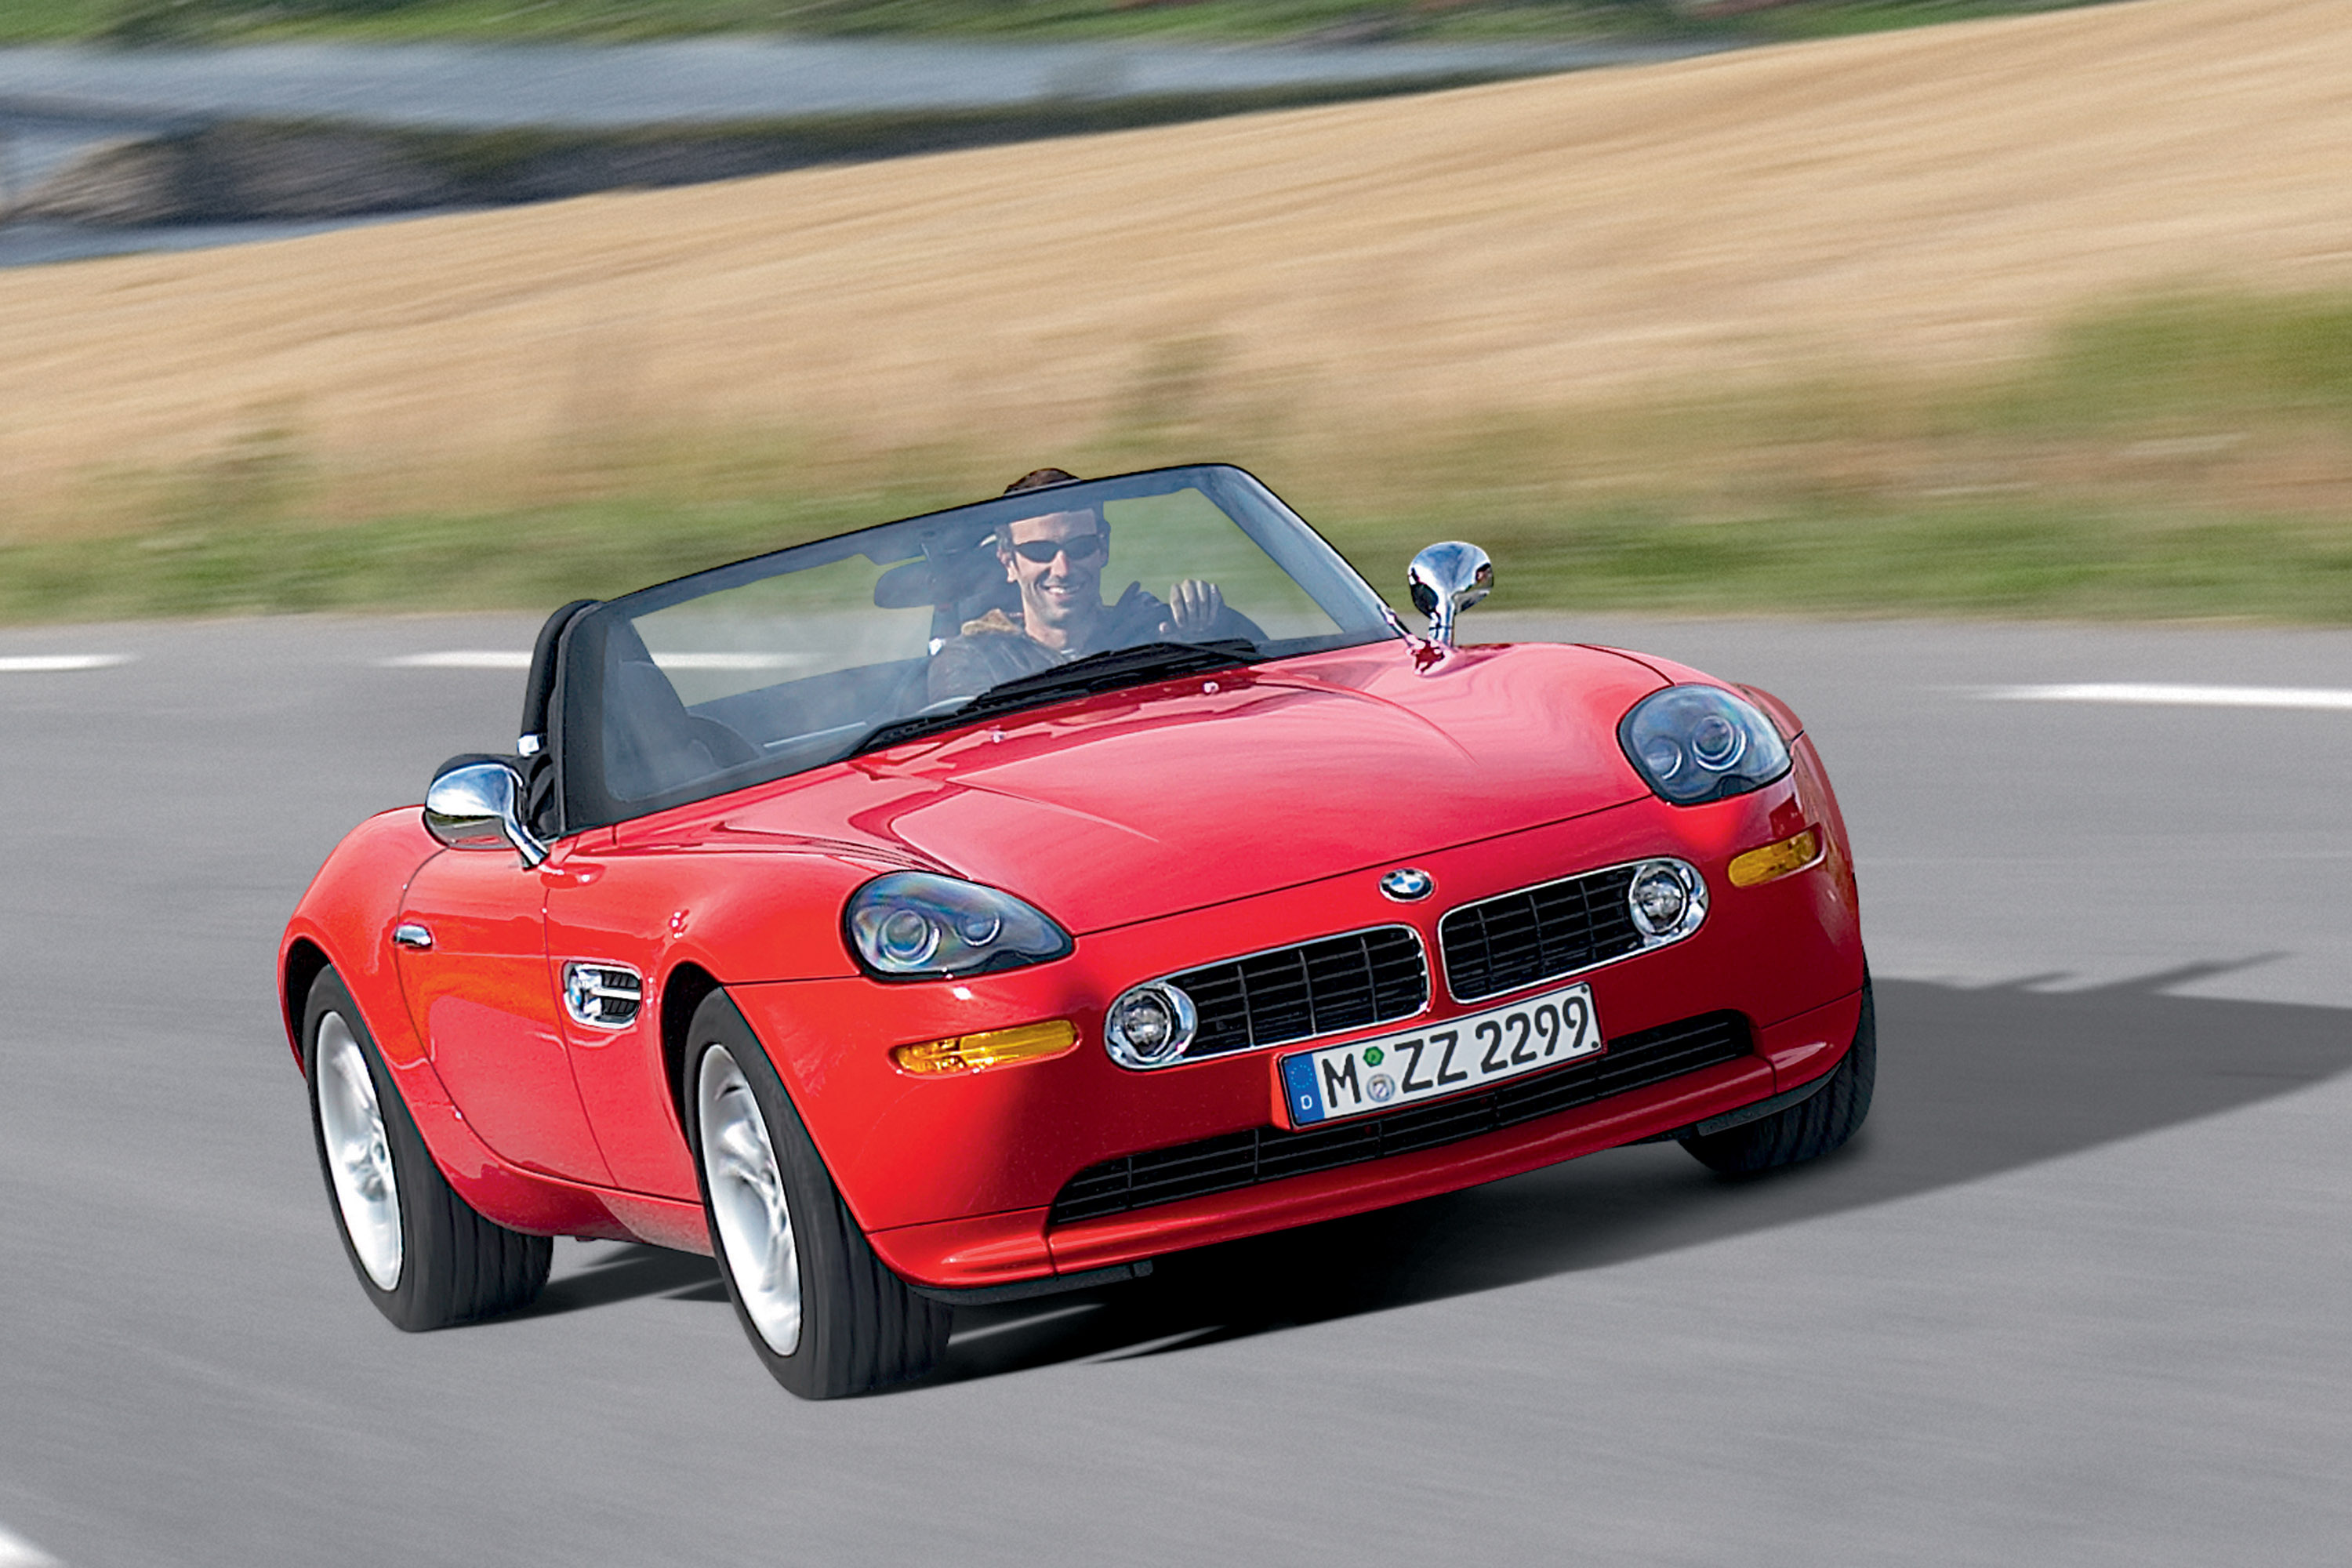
(1454, 1058)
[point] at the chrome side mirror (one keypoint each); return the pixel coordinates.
(1447, 579)
(476, 805)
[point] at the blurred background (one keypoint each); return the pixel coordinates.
(2041, 311)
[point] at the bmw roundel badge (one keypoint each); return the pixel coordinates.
(1405, 884)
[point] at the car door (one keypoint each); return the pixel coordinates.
(472, 953)
(610, 914)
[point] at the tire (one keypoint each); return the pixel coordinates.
(1808, 1128)
(825, 1313)
(421, 1254)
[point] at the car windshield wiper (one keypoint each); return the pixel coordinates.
(1096, 672)
(1118, 667)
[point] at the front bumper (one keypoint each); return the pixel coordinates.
(998, 1249)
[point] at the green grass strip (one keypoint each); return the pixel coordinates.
(2185, 457)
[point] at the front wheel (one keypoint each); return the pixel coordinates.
(825, 1313)
(423, 1255)
(1811, 1127)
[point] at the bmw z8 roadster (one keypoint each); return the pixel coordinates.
(920, 917)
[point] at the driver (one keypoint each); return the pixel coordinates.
(1055, 560)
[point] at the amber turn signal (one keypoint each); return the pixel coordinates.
(990, 1048)
(1776, 860)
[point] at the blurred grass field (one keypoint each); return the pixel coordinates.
(2044, 316)
(2185, 457)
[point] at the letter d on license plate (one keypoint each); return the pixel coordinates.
(1452, 1057)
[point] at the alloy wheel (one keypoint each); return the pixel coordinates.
(746, 1201)
(359, 1155)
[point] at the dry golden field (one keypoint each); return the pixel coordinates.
(1922, 201)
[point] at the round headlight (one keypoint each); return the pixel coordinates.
(1717, 743)
(1696, 743)
(913, 925)
(1150, 1025)
(907, 937)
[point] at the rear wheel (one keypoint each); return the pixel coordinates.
(1811, 1127)
(825, 1313)
(423, 1255)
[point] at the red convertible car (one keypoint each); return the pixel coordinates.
(915, 918)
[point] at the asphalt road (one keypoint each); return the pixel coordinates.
(712, 81)
(61, 102)
(2076, 1294)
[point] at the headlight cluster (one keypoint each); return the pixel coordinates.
(911, 925)
(1697, 743)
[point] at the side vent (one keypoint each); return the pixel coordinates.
(602, 996)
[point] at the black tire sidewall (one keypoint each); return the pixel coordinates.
(455, 1265)
(1819, 1124)
(412, 1170)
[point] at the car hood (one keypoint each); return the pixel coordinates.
(1142, 803)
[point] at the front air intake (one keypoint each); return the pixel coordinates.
(1323, 987)
(1539, 933)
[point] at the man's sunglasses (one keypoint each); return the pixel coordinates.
(1080, 546)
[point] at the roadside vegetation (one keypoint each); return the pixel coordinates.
(1333, 21)
(2165, 458)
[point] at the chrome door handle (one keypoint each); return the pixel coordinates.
(412, 935)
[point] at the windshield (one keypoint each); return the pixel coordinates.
(788, 661)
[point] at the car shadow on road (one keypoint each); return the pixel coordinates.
(1972, 1083)
(623, 1271)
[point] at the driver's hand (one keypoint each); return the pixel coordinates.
(1193, 608)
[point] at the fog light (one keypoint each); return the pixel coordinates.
(1776, 860)
(990, 1049)
(1150, 1025)
(1666, 899)
(1659, 899)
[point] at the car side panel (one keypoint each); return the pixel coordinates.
(348, 913)
(654, 904)
(480, 997)
(540, 1204)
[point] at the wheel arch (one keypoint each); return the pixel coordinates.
(683, 990)
(344, 921)
(305, 960)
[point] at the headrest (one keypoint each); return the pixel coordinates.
(947, 574)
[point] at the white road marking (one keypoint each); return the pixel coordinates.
(460, 658)
(507, 658)
(16, 1552)
(1149, 1347)
(2326, 697)
(966, 1336)
(733, 661)
(51, 663)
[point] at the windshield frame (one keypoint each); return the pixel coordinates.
(575, 739)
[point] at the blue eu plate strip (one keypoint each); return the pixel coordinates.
(1298, 1083)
